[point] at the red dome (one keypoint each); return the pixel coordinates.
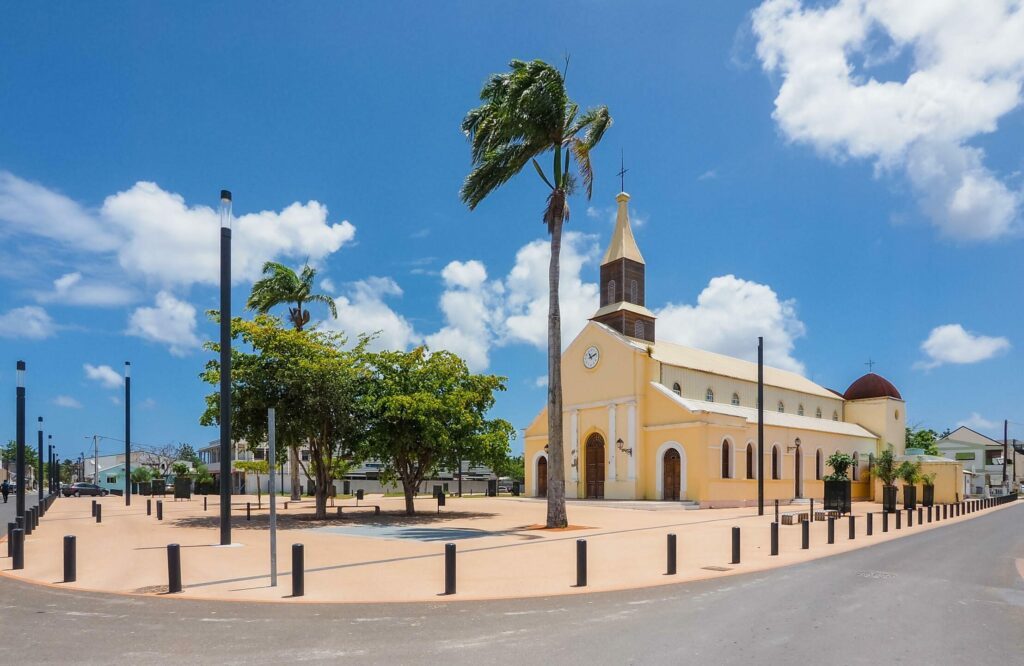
(871, 386)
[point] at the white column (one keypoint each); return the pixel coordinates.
(574, 433)
(631, 442)
(612, 437)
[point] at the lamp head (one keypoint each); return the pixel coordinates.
(21, 374)
(225, 209)
(127, 369)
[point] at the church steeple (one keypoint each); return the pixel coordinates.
(622, 281)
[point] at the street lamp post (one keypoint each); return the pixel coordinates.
(225, 368)
(39, 462)
(20, 436)
(49, 458)
(127, 433)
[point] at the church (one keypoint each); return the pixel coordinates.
(646, 419)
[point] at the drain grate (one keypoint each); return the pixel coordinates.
(878, 575)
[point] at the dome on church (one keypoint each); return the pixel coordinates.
(871, 386)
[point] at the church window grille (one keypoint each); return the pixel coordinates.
(678, 390)
(633, 291)
(726, 459)
(710, 395)
(611, 291)
(736, 398)
(782, 407)
(638, 329)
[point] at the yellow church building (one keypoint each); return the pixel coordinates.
(649, 419)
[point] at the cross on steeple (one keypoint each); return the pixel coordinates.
(622, 172)
(870, 364)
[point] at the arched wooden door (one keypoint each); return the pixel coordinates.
(595, 467)
(542, 476)
(670, 476)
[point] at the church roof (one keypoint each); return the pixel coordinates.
(771, 418)
(871, 386)
(623, 305)
(622, 245)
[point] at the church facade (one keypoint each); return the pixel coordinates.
(649, 419)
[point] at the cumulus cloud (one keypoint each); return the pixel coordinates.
(978, 422)
(67, 401)
(966, 71)
(30, 321)
(33, 209)
(171, 322)
(468, 303)
(950, 343)
(71, 289)
(364, 311)
(104, 374)
(729, 316)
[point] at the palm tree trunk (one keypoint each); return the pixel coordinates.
(556, 469)
(293, 464)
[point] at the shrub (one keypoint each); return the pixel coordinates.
(840, 463)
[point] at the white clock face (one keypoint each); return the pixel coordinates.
(591, 357)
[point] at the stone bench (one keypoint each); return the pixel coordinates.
(375, 507)
(794, 518)
(825, 515)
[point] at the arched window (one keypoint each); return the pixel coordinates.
(782, 407)
(856, 466)
(677, 389)
(710, 395)
(776, 463)
(638, 329)
(818, 465)
(736, 399)
(800, 409)
(817, 413)
(750, 461)
(633, 291)
(726, 459)
(611, 291)
(835, 416)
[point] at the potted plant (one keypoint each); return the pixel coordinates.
(910, 474)
(837, 484)
(928, 489)
(884, 467)
(141, 477)
(182, 481)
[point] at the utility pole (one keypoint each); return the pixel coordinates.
(39, 462)
(1006, 452)
(96, 459)
(760, 425)
(127, 433)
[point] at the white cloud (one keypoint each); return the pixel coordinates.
(171, 322)
(710, 174)
(67, 401)
(115, 400)
(950, 343)
(541, 381)
(30, 321)
(363, 310)
(729, 316)
(69, 289)
(966, 72)
(327, 284)
(469, 304)
(104, 374)
(977, 422)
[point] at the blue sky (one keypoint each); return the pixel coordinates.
(859, 214)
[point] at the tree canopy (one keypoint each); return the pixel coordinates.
(923, 438)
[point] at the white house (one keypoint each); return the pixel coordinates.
(981, 456)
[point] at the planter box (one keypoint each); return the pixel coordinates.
(928, 498)
(909, 497)
(145, 488)
(183, 488)
(837, 496)
(889, 499)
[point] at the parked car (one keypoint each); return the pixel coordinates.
(79, 489)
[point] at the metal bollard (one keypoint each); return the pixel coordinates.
(805, 535)
(735, 545)
(248, 511)
(910, 517)
(159, 509)
(99, 513)
(811, 516)
(930, 513)
(70, 569)
(149, 507)
(18, 536)
(10, 540)
(776, 510)
(853, 527)
(670, 556)
(775, 539)
(298, 570)
(27, 524)
(870, 524)
(920, 515)
(885, 522)
(204, 502)
(94, 508)
(898, 514)
(831, 529)
(449, 568)
(581, 562)
(173, 568)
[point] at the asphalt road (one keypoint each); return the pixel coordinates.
(7, 510)
(953, 594)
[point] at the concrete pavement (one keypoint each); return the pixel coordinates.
(949, 595)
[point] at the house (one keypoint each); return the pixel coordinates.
(981, 457)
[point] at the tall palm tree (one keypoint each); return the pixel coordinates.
(282, 285)
(526, 112)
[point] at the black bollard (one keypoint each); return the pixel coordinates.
(94, 508)
(10, 540)
(811, 516)
(159, 509)
(99, 513)
(776, 510)
(149, 507)
(870, 525)
(204, 502)
(920, 515)
(929, 514)
(248, 511)
(18, 537)
(805, 535)
(70, 570)
(853, 527)
(173, 567)
(581, 562)
(910, 517)
(898, 518)
(885, 522)
(775, 539)
(735, 545)
(831, 529)
(298, 570)
(670, 543)
(28, 525)
(449, 568)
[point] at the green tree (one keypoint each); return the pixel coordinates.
(10, 456)
(424, 407)
(923, 438)
(256, 467)
(281, 285)
(510, 466)
(884, 466)
(187, 453)
(839, 462)
(142, 474)
(525, 113)
(67, 470)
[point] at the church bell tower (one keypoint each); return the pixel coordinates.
(622, 281)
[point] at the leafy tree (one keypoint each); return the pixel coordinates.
(839, 462)
(525, 113)
(923, 438)
(142, 474)
(282, 285)
(884, 467)
(180, 469)
(510, 466)
(909, 472)
(256, 467)
(67, 470)
(424, 407)
(187, 453)
(9, 455)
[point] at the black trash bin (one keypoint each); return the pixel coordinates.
(516, 488)
(492, 487)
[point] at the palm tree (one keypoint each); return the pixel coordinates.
(281, 285)
(526, 112)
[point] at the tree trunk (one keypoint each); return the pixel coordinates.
(556, 467)
(322, 483)
(293, 464)
(409, 488)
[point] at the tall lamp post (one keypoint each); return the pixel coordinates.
(225, 368)
(39, 462)
(127, 433)
(49, 458)
(20, 437)
(760, 426)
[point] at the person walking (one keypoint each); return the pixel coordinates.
(5, 489)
